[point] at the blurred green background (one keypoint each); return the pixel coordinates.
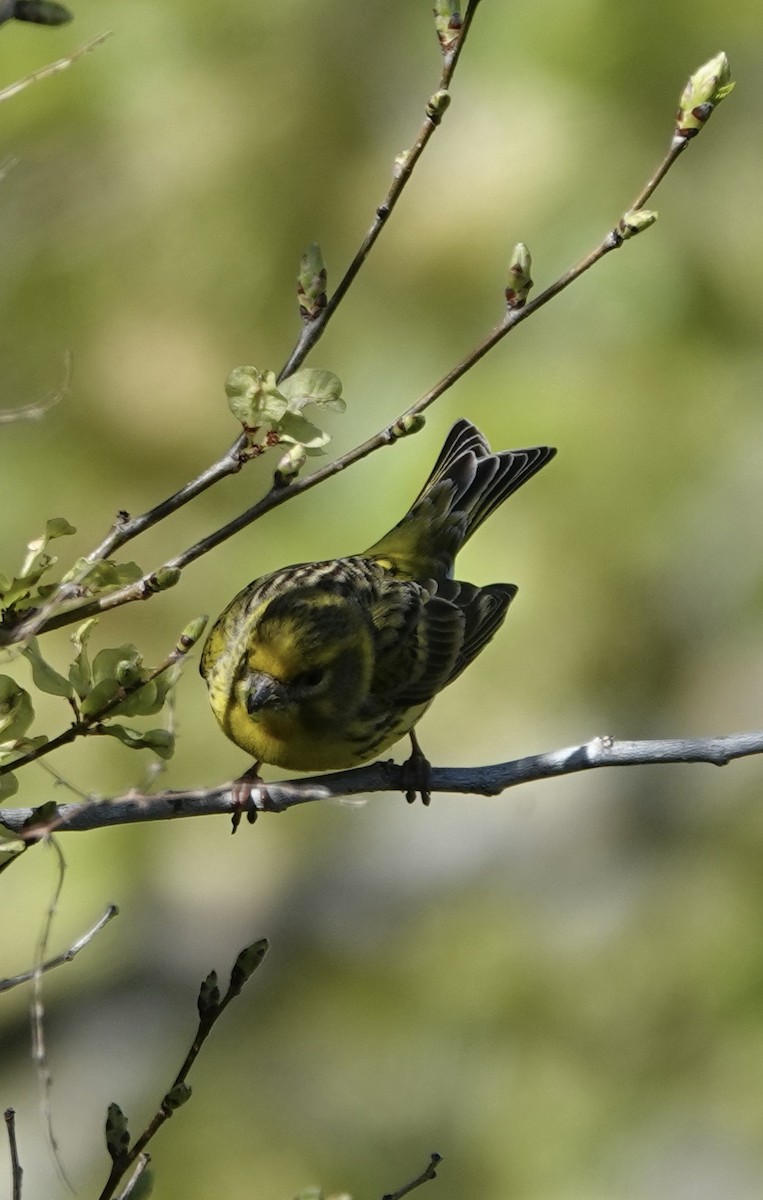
(561, 989)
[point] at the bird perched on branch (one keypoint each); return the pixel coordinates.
(324, 665)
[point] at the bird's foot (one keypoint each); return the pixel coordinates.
(243, 798)
(416, 774)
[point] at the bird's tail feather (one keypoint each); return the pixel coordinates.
(466, 485)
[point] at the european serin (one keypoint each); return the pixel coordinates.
(324, 665)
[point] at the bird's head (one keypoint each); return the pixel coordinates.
(308, 657)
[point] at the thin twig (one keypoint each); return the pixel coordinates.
(17, 1171)
(211, 1005)
(37, 1017)
(65, 957)
(314, 329)
(52, 68)
(383, 776)
(144, 1161)
(429, 1172)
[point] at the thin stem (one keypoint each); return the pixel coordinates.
(314, 329)
(17, 1172)
(52, 68)
(65, 957)
(429, 1172)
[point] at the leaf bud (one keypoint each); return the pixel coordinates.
(635, 220)
(117, 1133)
(436, 106)
(247, 963)
(447, 23)
(519, 281)
(704, 91)
(408, 424)
(311, 283)
(290, 465)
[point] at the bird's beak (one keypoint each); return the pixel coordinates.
(263, 691)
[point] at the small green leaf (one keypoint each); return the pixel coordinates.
(80, 674)
(299, 431)
(9, 785)
(101, 695)
(113, 662)
(44, 676)
(16, 709)
(103, 576)
(58, 527)
(253, 396)
(160, 741)
(313, 386)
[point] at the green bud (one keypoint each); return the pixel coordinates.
(311, 283)
(117, 1133)
(191, 634)
(710, 84)
(290, 465)
(209, 996)
(410, 423)
(437, 105)
(447, 23)
(176, 1097)
(635, 220)
(519, 284)
(164, 578)
(247, 963)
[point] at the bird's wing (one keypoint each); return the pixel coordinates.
(483, 609)
(419, 637)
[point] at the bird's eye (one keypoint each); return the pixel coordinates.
(310, 678)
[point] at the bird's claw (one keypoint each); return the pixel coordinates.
(417, 773)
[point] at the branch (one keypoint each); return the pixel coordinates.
(52, 68)
(65, 957)
(383, 776)
(17, 1171)
(429, 1172)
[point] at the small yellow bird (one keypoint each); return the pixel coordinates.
(324, 665)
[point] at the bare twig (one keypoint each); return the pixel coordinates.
(17, 1171)
(65, 957)
(211, 1005)
(52, 68)
(429, 1172)
(144, 1161)
(383, 776)
(406, 165)
(37, 1016)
